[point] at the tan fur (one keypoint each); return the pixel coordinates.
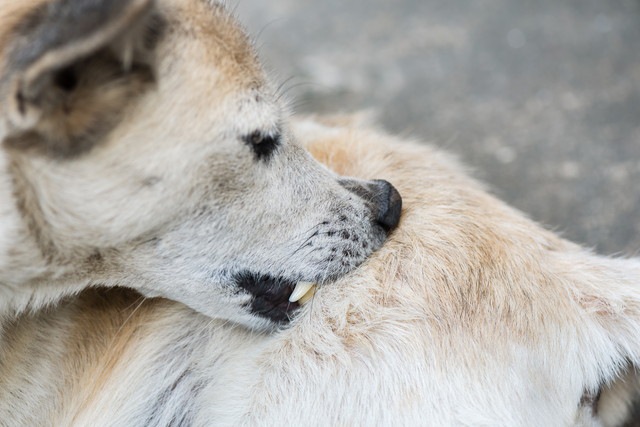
(13, 13)
(470, 314)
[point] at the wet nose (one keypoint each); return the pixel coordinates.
(388, 205)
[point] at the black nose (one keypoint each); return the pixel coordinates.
(388, 205)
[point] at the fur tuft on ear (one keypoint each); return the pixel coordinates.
(50, 43)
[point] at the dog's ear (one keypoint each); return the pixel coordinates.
(69, 67)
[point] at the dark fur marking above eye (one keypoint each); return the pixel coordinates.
(263, 144)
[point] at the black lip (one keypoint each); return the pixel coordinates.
(270, 295)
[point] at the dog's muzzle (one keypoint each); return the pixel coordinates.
(277, 298)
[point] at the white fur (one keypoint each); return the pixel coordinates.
(470, 314)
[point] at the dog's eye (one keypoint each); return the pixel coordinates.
(263, 144)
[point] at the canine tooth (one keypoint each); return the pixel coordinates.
(300, 290)
(306, 297)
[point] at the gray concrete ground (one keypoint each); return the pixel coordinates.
(540, 97)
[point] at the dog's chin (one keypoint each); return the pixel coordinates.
(274, 299)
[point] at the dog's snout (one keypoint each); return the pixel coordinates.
(388, 205)
(382, 198)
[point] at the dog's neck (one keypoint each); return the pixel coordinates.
(29, 287)
(23, 269)
(16, 301)
(28, 283)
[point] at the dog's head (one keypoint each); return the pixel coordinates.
(145, 148)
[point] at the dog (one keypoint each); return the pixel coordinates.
(144, 147)
(470, 314)
(146, 150)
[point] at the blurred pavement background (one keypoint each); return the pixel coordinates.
(540, 97)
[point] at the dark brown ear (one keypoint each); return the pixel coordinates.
(59, 53)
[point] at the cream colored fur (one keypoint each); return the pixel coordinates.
(470, 314)
(134, 152)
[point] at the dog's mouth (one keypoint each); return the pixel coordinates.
(274, 298)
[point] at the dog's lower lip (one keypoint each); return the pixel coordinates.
(272, 297)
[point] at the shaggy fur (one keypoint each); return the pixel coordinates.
(470, 314)
(142, 146)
